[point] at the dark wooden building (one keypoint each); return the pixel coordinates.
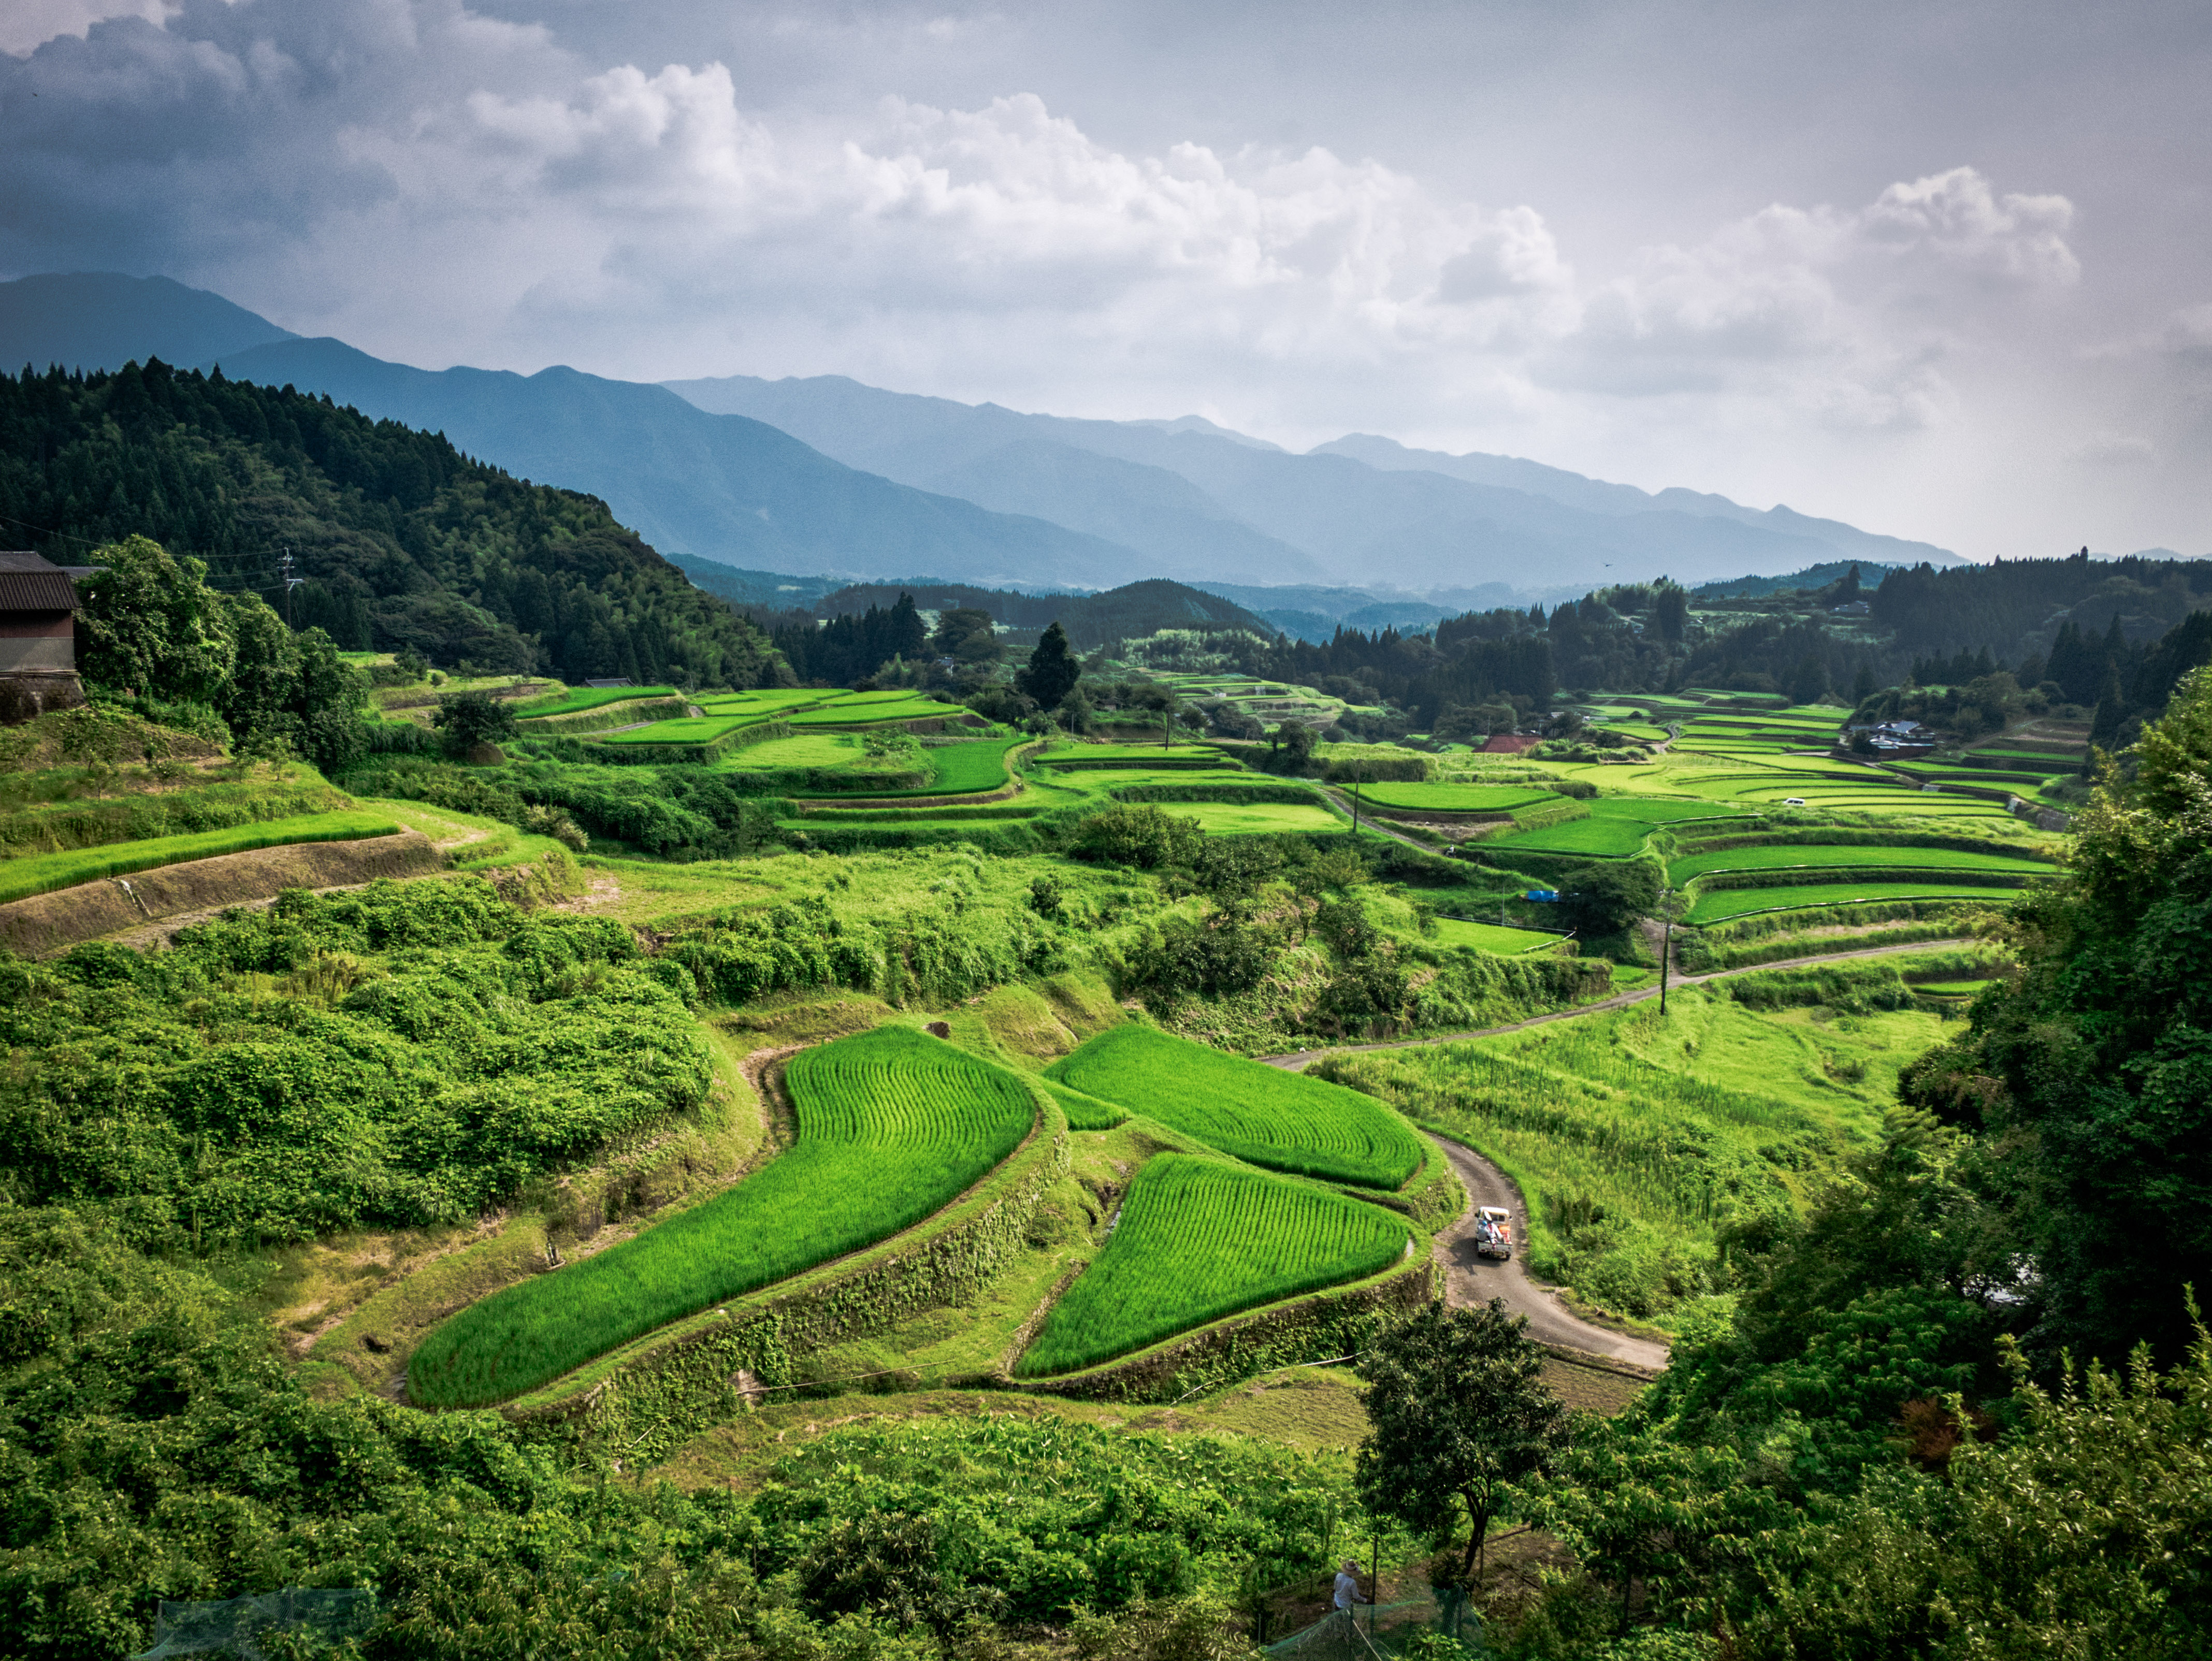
(37, 636)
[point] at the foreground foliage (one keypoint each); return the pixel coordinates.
(398, 1055)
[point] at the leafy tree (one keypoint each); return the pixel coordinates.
(150, 624)
(1053, 669)
(1670, 611)
(468, 719)
(2093, 1068)
(1139, 834)
(1600, 900)
(1459, 1412)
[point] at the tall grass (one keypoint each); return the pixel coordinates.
(892, 1126)
(1198, 1240)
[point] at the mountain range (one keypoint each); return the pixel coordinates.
(825, 475)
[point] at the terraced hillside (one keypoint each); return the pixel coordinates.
(892, 1126)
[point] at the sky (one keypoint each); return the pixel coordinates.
(1941, 270)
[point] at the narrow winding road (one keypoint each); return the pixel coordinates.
(1470, 1280)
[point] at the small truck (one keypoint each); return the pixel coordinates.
(1493, 1233)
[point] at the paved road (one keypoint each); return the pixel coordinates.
(1469, 1279)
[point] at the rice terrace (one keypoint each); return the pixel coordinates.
(755, 1018)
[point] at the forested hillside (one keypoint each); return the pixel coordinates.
(403, 542)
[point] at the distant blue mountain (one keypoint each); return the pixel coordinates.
(827, 476)
(103, 320)
(717, 487)
(1195, 496)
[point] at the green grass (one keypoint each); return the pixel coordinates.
(1633, 1137)
(1794, 856)
(590, 698)
(1491, 937)
(850, 715)
(1719, 904)
(893, 1125)
(1283, 1121)
(1455, 798)
(1199, 1240)
(684, 729)
(41, 873)
(1952, 988)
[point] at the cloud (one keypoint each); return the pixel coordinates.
(2113, 450)
(439, 185)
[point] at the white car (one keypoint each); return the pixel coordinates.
(1793, 801)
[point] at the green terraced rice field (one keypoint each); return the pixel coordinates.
(1491, 937)
(1790, 857)
(684, 729)
(1283, 1121)
(1199, 1240)
(1455, 798)
(590, 698)
(1617, 826)
(1951, 988)
(763, 703)
(978, 765)
(800, 750)
(42, 873)
(857, 714)
(1224, 819)
(893, 1125)
(1085, 1112)
(1720, 905)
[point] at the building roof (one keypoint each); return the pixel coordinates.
(30, 582)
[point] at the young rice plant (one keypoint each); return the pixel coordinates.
(893, 1125)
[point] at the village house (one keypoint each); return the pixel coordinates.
(37, 636)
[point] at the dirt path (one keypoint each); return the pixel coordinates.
(1470, 1280)
(1299, 1061)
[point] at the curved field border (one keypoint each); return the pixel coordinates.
(657, 1391)
(894, 802)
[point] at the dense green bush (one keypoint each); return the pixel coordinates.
(401, 1055)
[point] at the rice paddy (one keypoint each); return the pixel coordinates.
(684, 729)
(590, 698)
(1198, 1240)
(1492, 937)
(1456, 798)
(1616, 826)
(1716, 905)
(1281, 1121)
(893, 1125)
(1797, 856)
(42, 873)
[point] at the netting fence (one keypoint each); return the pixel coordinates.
(1385, 1632)
(237, 1625)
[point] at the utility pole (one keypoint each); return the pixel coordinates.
(284, 567)
(1667, 946)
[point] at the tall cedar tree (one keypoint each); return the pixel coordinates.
(1053, 671)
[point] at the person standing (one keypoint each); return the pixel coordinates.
(1348, 1594)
